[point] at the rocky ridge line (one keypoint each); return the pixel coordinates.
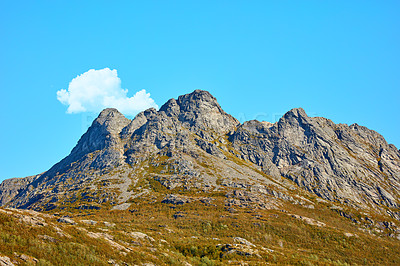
(192, 143)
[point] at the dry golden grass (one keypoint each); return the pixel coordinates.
(197, 235)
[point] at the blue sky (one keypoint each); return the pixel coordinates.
(336, 59)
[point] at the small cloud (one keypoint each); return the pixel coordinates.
(95, 90)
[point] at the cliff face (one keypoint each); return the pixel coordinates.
(9, 188)
(348, 164)
(192, 144)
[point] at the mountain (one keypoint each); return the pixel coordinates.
(191, 152)
(191, 142)
(347, 164)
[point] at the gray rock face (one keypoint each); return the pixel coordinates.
(9, 188)
(65, 220)
(103, 137)
(175, 199)
(103, 133)
(336, 162)
(200, 111)
(172, 127)
(192, 143)
(5, 261)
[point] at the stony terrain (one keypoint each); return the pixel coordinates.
(191, 152)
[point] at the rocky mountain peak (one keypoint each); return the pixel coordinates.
(294, 124)
(294, 114)
(200, 110)
(108, 112)
(102, 133)
(171, 108)
(198, 100)
(110, 120)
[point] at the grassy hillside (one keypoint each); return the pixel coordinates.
(202, 232)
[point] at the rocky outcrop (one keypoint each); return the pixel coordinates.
(349, 164)
(308, 220)
(192, 116)
(9, 188)
(175, 199)
(5, 261)
(101, 141)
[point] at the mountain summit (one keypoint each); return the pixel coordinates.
(192, 144)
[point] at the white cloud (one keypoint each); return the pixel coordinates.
(95, 90)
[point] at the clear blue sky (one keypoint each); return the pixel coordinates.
(336, 59)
